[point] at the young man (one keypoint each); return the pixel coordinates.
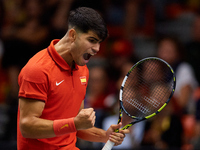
(52, 88)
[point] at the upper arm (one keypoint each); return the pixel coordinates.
(31, 125)
(30, 107)
(30, 110)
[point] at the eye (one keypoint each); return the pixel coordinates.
(92, 41)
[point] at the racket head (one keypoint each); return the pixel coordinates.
(146, 89)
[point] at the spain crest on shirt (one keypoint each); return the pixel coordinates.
(83, 80)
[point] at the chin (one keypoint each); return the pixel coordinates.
(81, 64)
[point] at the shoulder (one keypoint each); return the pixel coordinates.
(37, 68)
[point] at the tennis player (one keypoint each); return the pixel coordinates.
(52, 88)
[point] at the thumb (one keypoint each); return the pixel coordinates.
(117, 126)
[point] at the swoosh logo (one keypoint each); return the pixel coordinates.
(66, 125)
(58, 83)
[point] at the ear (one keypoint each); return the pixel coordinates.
(72, 35)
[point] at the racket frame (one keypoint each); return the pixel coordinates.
(136, 119)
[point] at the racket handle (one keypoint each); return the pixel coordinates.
(108, 145)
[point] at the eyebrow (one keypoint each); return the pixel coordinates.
(98, 40)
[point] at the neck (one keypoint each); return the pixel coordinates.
(63, 48)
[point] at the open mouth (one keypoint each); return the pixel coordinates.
(87, 56)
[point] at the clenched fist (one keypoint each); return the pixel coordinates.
(85, 119)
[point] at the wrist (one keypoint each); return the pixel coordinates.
(64, 126)
(76, 124)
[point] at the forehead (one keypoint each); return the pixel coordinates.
(91, 34)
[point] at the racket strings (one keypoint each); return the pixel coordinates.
(147, 88)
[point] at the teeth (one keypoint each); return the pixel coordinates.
(92, 54)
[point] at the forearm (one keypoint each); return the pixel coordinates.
(32, 126)
(93, 135)
(36, 128)
(41, 128)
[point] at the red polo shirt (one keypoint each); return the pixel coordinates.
(47, 77)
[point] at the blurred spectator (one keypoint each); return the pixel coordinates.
(4, 86)
(98, 5)
(171, 50)
(1, 15)
(121, 51)
(129, 18)
(98, 93)
(179, 16)
(4, 89)
(23, 34)
(140, 26)
(27, 34)
(164, 131)
(193, 51)
(99, 97)
(22, 40)
(140, 18)
(196, 129)
(58, 17)
(193, 57)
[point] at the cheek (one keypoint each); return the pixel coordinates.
(76, 51)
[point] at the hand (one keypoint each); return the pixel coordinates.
(85, 119)
(117, 138)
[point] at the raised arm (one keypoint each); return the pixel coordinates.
(32, 126)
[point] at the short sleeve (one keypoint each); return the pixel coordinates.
(33, 84)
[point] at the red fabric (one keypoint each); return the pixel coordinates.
(63, 126)
(47, 77)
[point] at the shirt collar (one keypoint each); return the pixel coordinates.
(57, 58)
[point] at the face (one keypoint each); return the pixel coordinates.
(98, 80)
(167, 51)
(85, 46)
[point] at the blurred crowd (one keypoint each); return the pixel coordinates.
(169, 29)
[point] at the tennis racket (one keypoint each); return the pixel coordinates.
(146, 89)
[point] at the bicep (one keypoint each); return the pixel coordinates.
(30, 107)
(31, 125)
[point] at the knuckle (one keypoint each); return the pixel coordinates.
(90, 109)
(87, 115)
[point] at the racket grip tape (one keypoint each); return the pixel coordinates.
(108, 145)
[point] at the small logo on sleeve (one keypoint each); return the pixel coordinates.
(83, 80)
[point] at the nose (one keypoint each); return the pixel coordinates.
(96, 48)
